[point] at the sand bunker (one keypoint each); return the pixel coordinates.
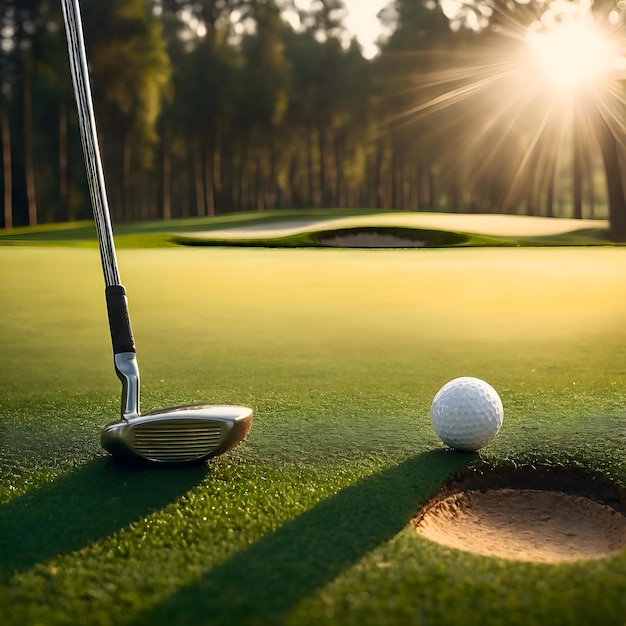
(370, 240)
(524, 524)
(485, 224)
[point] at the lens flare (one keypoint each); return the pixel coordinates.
(533, 101)
(573, 54)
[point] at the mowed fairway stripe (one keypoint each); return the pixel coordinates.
(342, 305)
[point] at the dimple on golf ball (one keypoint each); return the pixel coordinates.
(467, 413)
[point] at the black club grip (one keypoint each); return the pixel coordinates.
(119, 320)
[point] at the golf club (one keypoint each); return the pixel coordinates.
(176, 435)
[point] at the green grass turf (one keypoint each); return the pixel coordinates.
(454, 230)
(339, 352)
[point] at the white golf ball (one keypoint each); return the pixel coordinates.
(467, 413)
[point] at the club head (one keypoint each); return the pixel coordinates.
(185, 434)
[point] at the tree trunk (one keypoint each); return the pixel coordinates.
(421, 187)
(258, 198)
(166, 190)
(615, 187)
(549, 211)
(126, 208)
(378, 178)
(145, 199)
(321, 138)
(209, 172)
(432, 190)
(6, 168)
(271, 193)
(310, 170)
(65, 212)
(589, 169)
(28, 148)
(578, 175)
(394, 190)
(294, 192)
(216, 155)
(243, 177)
(198, 171)
(610, 153)
(340, 199)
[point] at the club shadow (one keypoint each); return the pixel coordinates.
(89, 503)
(263, 583)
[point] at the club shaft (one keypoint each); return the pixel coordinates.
(89, 137)
(117, 304)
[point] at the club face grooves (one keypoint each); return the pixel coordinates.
(179, 435)
(177, 440)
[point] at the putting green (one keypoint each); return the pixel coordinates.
(315, 228)
(486, 224)
(339, 352)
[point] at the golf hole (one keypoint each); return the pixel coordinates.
(535, 515)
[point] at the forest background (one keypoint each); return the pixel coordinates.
(215, 106)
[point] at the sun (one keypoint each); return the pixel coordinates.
(569, 49)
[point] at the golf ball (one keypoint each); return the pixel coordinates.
(467, 413)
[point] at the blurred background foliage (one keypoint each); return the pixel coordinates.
(214, 106)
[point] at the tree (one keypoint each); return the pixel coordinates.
(21, 23)
(417, 99)
(262, 107)
(329, 120)
(6, 85)
(598, 112)
(131, 73)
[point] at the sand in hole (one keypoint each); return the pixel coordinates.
(524, 524)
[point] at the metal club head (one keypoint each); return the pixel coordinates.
(184, 434)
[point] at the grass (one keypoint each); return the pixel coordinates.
(310, 228)
(339, 352)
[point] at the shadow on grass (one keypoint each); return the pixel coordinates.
(87, 504)
(263, 583)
